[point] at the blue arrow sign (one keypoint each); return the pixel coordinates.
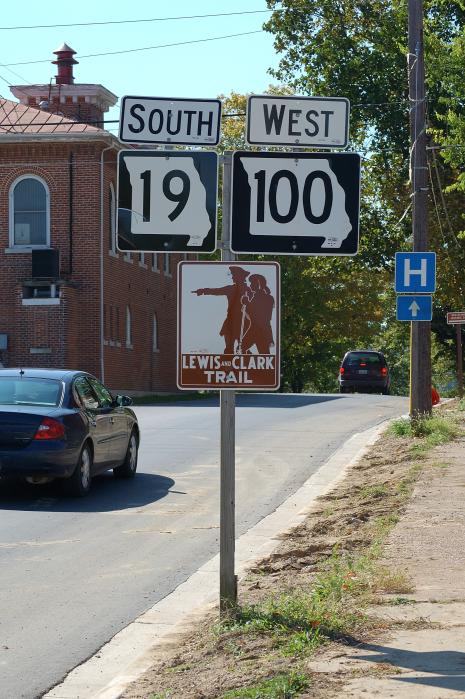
(415, 272)
(414, 308)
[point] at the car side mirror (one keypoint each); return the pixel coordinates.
(123, 401)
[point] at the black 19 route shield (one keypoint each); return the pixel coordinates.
(167, 201)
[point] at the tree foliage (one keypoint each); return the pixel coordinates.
(358, 49)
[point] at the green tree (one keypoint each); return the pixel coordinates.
(357, 49)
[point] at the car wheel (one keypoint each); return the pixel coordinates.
(78, 484)
(129, 466)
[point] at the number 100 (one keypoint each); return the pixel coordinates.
(275, 180)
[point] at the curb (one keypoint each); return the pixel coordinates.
(129, 654)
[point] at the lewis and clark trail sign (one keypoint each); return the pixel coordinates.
(228, 325)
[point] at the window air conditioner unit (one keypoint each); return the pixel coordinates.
(46, 264)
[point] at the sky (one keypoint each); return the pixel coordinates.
(199, 70)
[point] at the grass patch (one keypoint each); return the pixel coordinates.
(400, 601)
(301, 621)
(428, 432)
(383, 525)
(400, 427)
(461, 405)
(283, 686)
(405, 486)
(373, 491)
(393, 582)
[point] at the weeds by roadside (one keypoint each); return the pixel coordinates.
(279, 687)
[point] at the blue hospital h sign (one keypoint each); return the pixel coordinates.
(415, 272)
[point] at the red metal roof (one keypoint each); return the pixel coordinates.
(17, 118)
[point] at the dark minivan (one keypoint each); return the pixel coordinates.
(365, 371)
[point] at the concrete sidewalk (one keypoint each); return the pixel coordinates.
(426, 659)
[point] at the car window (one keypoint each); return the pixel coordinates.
(103, 394)
(358, 358)
(30, 391)
(85, 393)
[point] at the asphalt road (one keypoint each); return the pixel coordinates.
(75, 572)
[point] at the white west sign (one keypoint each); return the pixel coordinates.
(320, 122)
(167, 120)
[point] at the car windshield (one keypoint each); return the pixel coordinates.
(29, 391)
(358, 359)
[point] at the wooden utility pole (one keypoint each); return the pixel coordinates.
(420, 358)
(228, 583)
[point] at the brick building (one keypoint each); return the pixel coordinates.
(69, 298)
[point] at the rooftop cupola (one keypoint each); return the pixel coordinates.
(84, 102)
(65, 63)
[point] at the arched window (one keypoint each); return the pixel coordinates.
(112, 219)
(128, 327)
(29, 218)
(155, 347)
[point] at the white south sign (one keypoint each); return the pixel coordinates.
(319, 122)
(170, 120)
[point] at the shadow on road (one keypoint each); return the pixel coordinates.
(107, 494)
(255, 400)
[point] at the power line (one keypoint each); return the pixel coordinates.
(143, 48)
(137, 21)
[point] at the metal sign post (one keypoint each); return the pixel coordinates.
(228, 580)
(458, 328)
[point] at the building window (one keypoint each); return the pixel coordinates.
(155, 262)
(29, 218)
(112, 220)
(128, 328)
(41, 294)
(155, 347)
(142, 260)
(166, 264)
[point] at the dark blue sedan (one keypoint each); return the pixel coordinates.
(58, 423)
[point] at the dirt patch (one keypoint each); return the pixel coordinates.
(215, 659)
